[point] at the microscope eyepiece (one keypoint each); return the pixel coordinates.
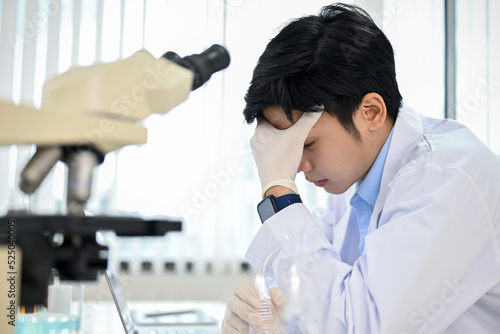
(212, 60)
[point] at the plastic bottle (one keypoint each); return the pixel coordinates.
(271, 321)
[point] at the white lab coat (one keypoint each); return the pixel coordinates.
(431, 262)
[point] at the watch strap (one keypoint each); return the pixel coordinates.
(286, 200)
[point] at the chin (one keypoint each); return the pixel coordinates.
(333, 191)
(336, 190)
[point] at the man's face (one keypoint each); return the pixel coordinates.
(332, 157)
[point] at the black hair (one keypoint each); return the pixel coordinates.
(325, 62)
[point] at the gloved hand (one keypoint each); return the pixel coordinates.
(277, 153)
(241, 309)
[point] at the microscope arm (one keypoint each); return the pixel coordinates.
(99, 105)
(87, 112)
(27, 125)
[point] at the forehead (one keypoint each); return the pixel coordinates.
(276, 116)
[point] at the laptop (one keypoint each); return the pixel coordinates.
(182, 322)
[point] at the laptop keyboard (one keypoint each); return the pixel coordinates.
(178, 331)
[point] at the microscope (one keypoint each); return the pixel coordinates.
(85, 113)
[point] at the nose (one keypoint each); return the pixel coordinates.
(305, 165)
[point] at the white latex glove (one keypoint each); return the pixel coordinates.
(241, 309)
(277, 153)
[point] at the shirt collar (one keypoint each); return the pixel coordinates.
(369, 187)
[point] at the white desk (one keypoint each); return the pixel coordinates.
(102, 317)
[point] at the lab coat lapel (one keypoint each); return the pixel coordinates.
(407, 130)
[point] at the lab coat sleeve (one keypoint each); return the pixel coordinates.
(433, 256)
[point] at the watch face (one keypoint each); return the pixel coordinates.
(266, 208)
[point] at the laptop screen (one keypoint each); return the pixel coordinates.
(121, 305)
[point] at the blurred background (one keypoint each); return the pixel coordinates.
(197, 163)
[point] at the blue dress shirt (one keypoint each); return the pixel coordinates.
(363, 201)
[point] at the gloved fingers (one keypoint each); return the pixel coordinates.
(233, 324)
(305, 123)
(241, 309)
(263, 135)
(266, 133)
(278, 298)
(277, 152)
(247, 293)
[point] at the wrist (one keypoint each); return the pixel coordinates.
(272, 204)
(278, 191)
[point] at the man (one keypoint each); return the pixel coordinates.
(410, 240)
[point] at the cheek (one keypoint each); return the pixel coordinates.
(338, 162)
(326, 160)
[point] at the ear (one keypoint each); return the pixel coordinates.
(373, 111)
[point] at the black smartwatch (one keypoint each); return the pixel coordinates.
(270, 205)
